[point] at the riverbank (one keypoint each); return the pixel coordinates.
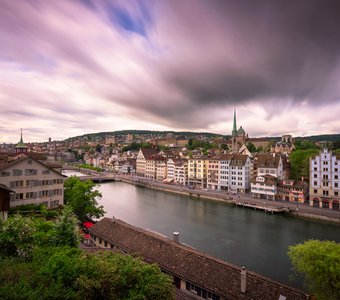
(300, 210)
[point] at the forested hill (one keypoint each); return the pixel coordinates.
(184, 134)
(187, 135)
(321, 138)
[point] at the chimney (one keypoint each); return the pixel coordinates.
(176, 237)
(243, 280)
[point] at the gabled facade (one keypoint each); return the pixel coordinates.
(181, 171)
(269, 164)
(324, 174)
(141, 160)
(32, 182)
(197, 172)
(293, 190)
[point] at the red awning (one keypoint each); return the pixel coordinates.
(88, 224)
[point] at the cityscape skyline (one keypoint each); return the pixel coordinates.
(76, 67)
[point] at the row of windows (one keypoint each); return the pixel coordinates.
(34, 195)
(34, 182)
(325, 193)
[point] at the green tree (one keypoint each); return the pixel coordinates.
(299, 162)
(16, 237)
(66, 231)
(82, 197)
(70, 273)
(319, 263)
(251, 147)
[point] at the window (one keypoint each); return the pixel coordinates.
(336, 184)
(5, 174)
(325, 193)
(19, 196)
(335, 176)
(31, 172)
(17, 172)
(315, 183)
(315, 191)
(315, 169)
(29, 195)
(315, 175)
(336, 193)
(46, 172)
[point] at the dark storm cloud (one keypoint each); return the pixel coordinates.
(237, 51)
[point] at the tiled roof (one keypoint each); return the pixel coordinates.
(189, 264)
(149, 151)
(267, 160)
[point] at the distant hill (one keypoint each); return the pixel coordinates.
(150, 133)
(188, 134)
(321, 138)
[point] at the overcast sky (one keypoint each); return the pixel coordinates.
(73, 67)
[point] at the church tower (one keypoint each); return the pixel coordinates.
(234, 147)
(21, 148)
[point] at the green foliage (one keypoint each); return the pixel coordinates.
(251, 147)
(336, 145)
(89, 167)
(82, 197)
(66, 231)
(299, 162)
(319, 263)
(70, 273)
(200, 144)
(224, 147)
(304, 145)
(16, 237)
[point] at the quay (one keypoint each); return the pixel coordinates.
(265, 208)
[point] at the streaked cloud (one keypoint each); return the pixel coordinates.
(73, 67)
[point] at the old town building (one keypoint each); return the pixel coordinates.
(324, 176)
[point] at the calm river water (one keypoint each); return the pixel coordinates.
(244, 237)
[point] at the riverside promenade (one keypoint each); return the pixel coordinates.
(240, 199)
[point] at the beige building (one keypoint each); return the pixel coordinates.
(32, 182)
(141, 160)
(197, 172)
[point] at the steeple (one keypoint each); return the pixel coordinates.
(21, 147)
(234, 132)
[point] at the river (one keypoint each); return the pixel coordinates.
(244, 237)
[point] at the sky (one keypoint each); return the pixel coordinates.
(73, 67)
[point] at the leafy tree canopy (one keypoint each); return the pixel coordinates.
(299, 162)
(251, 147)
(70, 273)
(319, 263)
(82, 197)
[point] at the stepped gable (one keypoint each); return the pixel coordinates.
(189, 264)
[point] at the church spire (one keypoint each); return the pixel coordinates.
(21, 141)
(234, 132)
(21, 147)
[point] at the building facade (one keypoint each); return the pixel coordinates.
(32, 182)
(197, 172)
(324, 180)
(141, 160)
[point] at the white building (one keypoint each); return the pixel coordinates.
(229, 172)
(32, 182)
(325, 180)
(264, 187)
(269, 164)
